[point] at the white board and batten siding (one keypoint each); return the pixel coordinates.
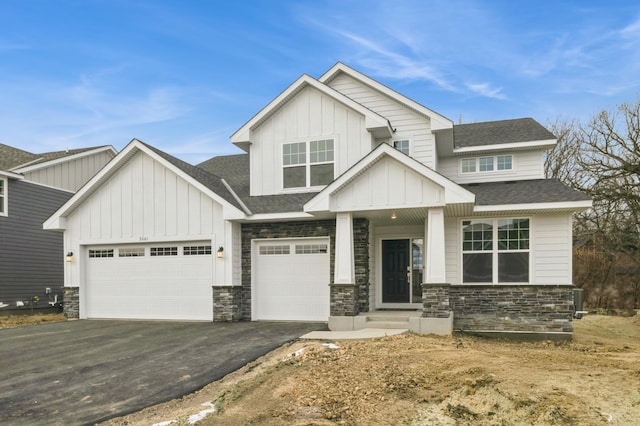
(71, 174)
(550, 254)
(526, 165)
(407, 123)
(310, 115)
(146, 204)
(387, 184)
(290, 279)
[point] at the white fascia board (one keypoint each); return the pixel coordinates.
(57, 223)
(44, 164)
(565, 205)
(372, 119)
(229, 210)
(454, 193)
(278, 216)
(11, 175)
(505, 146)
(438, 121)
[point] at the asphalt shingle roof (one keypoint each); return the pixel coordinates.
(11, 157)
(235, 170)
(499, 132)
(524, 192)
(211, 181)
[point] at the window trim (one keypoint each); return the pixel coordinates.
(401, 139)
(495, 250)
(4, 196)
(308, 164)
(494, 162)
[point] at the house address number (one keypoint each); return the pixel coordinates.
(144, 238)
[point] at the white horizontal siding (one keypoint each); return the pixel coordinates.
(552, 254)
(406, 122)
(526, 165)
(452, 250)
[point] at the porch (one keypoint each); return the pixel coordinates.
(386, 319)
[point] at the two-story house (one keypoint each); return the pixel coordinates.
(352, 205)
(32, 187)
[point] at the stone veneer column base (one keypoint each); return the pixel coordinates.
(227, 303)
(344, 300)
(71, 302)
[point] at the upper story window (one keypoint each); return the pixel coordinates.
(300, 170)
(402, 146)
(3, 196)
(486, 164)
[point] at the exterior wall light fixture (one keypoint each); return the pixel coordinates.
(220, 253)
(69, 257)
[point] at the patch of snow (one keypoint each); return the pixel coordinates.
(195, 418)
(608, 416)
(166, 423)
(295, 354)
(331, 345)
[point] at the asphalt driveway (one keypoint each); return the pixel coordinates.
(87, 371)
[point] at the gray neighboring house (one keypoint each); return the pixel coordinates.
(32, 187)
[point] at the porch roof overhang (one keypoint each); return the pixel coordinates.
(387, 180)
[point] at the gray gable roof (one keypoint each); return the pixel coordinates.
(11, 157)
(235, 171)
(524, 192)
(211, 181)
(499, 132)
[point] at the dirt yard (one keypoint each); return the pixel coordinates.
(418, 380)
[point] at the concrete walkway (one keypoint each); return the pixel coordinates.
(367, 333)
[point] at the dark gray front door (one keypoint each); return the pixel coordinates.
(395, 269)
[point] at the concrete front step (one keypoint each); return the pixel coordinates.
(386, 324)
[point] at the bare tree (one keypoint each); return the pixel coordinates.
(602, 158)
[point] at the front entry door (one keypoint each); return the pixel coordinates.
(395, 271)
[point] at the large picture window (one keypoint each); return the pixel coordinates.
(495, 251)
(300, 170)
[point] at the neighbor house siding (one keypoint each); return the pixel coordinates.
(310, 115)
(70, 174)
(526, 165)
(407, 123)
(31, 259)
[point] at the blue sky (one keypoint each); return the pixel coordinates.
(184, 75)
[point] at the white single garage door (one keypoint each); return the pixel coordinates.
(168, 281)
(291, 279)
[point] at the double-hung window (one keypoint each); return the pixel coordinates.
(3, 196)
(495, 251)
(300, 170)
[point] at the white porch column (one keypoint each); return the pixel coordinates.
(344, 271)
(434, 244)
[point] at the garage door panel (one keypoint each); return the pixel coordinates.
(174, 287)
(290, 285)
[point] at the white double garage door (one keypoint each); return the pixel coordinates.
(173, 281)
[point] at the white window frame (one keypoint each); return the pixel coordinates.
(496, 251)
(307, 164)
(407, 140)
(494, 164)
(4, 196)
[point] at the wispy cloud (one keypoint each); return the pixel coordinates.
(485, 89)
